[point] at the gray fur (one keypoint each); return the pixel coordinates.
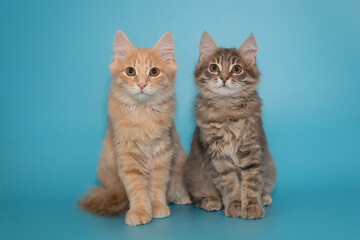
(229, 164)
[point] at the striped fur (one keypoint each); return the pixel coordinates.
(229, 164)
(141, 163)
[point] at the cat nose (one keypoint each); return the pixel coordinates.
(142, 85)
(224, 79)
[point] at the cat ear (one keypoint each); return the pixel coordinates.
(207, 46)
(122, 45)
(165, 47)
(248, 49)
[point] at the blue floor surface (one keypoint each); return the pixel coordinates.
(295, 214)
(54, 83)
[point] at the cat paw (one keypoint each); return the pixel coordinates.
(160, 210)
(137, 217)
(252, 211)
(183, 200)
(266, 199)
(209, 204)
(234, 209)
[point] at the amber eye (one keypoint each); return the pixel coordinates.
(154, 72)
(236, 69)
(130, 71)
(214, 68)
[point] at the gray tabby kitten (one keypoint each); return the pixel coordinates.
(229, 162)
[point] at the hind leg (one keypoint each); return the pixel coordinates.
(107, 171)
(205, 194)
(201, 189)
(266, 199)
(270, 177)
(109, 199)
(111, 183)
(176, 192)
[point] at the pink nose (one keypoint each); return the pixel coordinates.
(142, 86)
(224, 79)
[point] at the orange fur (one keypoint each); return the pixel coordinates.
(141, 163)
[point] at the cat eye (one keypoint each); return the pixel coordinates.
(130, 71)
(154, 72)
(214, 68)
(236, 69)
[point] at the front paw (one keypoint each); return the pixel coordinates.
(234, 209)
(209, 204)
(160, 210)
(252, 211)
(137, 217)
(183, 200)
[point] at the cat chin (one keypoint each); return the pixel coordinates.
(223, 91)
(142, 97)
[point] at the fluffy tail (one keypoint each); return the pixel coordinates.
(105, 202)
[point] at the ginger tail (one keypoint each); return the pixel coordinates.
(105, 202)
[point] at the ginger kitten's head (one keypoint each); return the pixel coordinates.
(226, 71)
(143, 74)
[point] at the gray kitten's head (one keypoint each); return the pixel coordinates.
(226, 71)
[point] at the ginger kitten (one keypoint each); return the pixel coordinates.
(229, 162)
(141, 164)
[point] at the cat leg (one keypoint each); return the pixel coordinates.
(203, 191)
(159, 178)
(270, 172)
(209, 204)
(226, 180)
(135, 178)
(266, 199)
(270, 176)
(252, 182)
(108, 176)
(109, 199)
(197, 180)
(176, 192)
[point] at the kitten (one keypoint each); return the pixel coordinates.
(229, 162)
(140, 167)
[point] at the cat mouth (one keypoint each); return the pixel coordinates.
(142, 93)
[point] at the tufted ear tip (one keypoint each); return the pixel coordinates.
(205, 35)
(251, 41)
(167, 38)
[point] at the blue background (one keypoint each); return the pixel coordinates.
(54, 58)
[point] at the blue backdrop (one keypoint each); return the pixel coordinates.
(54, 58)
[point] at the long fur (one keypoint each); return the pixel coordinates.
(142, 159)
(105, 202)
(229, 164)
